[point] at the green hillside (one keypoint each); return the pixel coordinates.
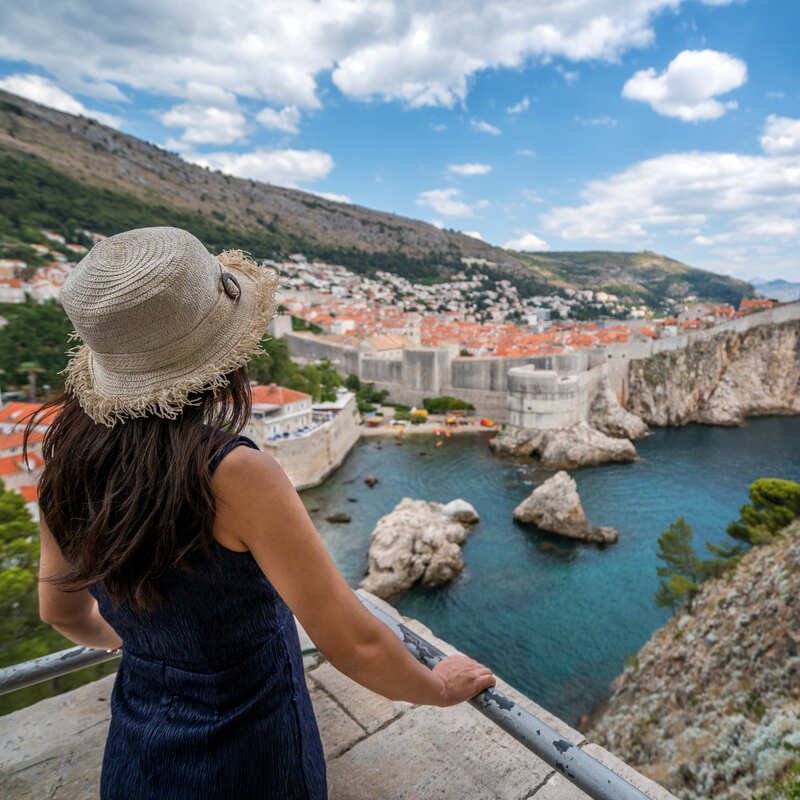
(65, 172)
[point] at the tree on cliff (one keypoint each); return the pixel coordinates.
(682, 572)
(774, 503)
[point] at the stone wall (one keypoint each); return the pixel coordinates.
(546, 400)
(484, 382)
(308, 460)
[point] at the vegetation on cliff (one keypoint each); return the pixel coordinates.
(710, 706)
(774, 504)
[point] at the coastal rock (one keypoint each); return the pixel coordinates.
(582, 445)
(417, 542)
(720, 380)
(710, 706)
(370, 480)
(555, 506)
(609, 417)
(565, 448)
(338, 516)
(461, 511)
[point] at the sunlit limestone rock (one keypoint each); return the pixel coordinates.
(555, 506)
(418, 542)
(564, 448)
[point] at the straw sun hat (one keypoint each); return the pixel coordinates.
(160, 318)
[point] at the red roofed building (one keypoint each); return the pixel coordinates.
(755, 305)
(278, 413)
(14, 416)
(11, 443)
(14, 472)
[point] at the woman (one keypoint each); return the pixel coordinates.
(168, 534)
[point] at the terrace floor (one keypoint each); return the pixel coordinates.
(375, 748)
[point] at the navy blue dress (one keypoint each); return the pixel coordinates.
(210, 700)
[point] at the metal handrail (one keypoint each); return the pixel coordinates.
(574, 763)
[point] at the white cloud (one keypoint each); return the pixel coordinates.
(206, 124)
(689, 86)
(470, 169)
(570, 76)
(527, 242)
(446, 202)
(279, 52)
(44, 91)
(781, 135)
(594, 121)
(473, 234)
(741, 201)
(286, 120)
(485, 127)
(439, 127)
(518, 108)
(281, 167)
(526, 152)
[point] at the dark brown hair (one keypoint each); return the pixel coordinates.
(127, 503)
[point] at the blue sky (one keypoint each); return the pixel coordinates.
(670, 125)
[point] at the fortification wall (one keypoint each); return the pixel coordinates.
(546, 400)
(618, 357)
(310, 347)
(381, 370)
(308, 460)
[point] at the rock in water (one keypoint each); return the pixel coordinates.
(418, 541)
(338, 516)
(555, 506)
(564, 448)
(461, 511)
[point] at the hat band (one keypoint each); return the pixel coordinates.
(172, 351)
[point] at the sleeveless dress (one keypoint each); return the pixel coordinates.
(210, 700)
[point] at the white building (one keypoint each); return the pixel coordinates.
(278, 412)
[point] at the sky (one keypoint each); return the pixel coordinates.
(665, 125)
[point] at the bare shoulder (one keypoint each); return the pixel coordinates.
(244, 466)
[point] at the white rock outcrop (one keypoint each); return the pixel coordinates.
(418, 542)
(555, 506)
(564, 448)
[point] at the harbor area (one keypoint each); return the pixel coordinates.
(375, 748)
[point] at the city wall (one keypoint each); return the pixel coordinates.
(308, 460)
(484, 380)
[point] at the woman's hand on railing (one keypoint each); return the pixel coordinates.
(462, 678)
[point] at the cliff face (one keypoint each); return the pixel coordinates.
(722, 380)
(711, 708)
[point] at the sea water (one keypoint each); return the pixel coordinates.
(554, 618)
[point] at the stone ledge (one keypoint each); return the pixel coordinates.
(375, 748)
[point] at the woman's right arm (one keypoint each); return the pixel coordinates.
(258, 506)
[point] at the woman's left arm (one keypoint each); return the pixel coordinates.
(73, 614)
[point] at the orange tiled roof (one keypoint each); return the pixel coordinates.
(11, 465)
(29, 493)
(19, 412)
(9, 440)
(275, 395)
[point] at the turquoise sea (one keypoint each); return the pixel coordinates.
(554, 619)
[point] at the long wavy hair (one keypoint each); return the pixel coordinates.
(128, 503)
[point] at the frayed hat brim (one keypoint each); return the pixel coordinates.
(112, 396)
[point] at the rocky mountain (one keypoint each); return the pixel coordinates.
(779, 289)
(710, 706)
(142, 181)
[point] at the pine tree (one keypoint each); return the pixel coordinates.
(683, 571)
